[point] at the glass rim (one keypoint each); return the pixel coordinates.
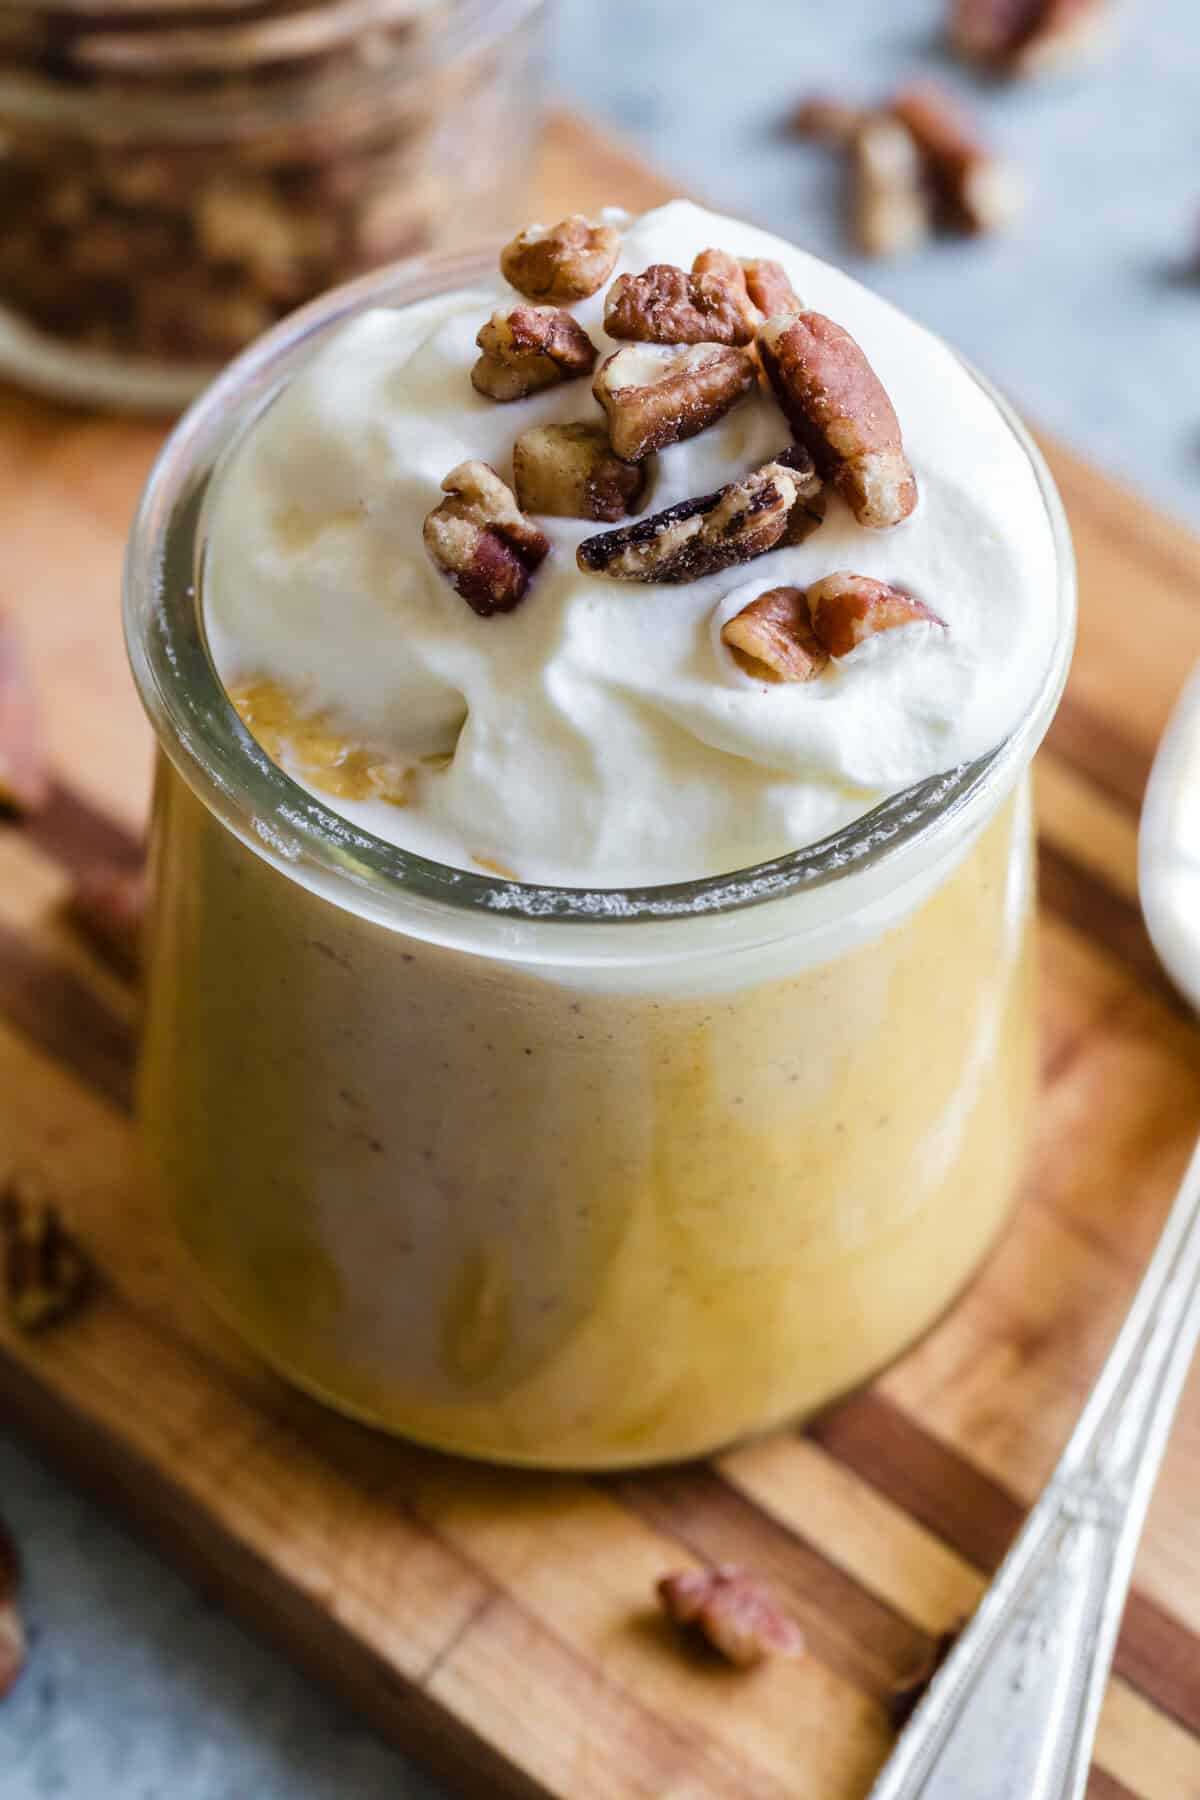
(202, 734)
(204, 112)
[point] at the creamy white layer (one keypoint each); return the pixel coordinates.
(602, 734)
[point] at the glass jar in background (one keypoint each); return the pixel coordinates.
(174, 180)
(561, 1177)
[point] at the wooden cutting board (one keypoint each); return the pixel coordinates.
(500, 1624)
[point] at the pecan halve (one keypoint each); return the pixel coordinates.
(481, 540)
(529, 348)
(733, 1611)
(697, 537)
(667, 305)
(769, 288)
(656, 395)
(1029, 37)
(846, 609)
(772, 638)
(24, 770)
(563, 262)
(732, 272)
(840, 411)
(46, 1275)
(12, 1633)
(976, 188)
(572, 472)
(892, 215)
(107, 905)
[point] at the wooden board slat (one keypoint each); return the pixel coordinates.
(499, 1624)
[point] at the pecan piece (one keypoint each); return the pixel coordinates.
(655, 395)
(563, 262)
(481, 540)
(976, 188)
(107, 906)
(826, 119)
(846, 609)
(572, 472)
(698, 537)
(773, 639)
(769, 287)
(890, 203)
(12, 1633)
(529, 348)
(733, 1611)
(46, 1275)
(733, 273)
(667, 305)
(1029, 37)
(24, 772)
(840, 411)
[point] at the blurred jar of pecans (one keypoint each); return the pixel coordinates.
(175, 175)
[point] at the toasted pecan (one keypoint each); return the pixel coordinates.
(734, 1612)
(1029, 37)
(846, 609)
(769, 287)
(527, 348)
(481, 540)
(561, 263)
(892, 214)
(656, 395)
(840, 411)
(826, 119)
(697, 537)
(977, 189)
(571, 471)
(668, 305)
(772, 638)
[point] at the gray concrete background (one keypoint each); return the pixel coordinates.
(136, 1689)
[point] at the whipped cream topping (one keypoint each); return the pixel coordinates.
(601, 734)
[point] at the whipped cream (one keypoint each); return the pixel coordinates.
(602, 735)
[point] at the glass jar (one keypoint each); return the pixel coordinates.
(175, 181)
(564, 1177)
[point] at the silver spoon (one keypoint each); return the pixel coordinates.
(1012, 1713)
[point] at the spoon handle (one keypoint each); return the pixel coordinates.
(1012, 1713)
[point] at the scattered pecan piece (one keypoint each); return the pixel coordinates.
(733, 1611)
(656, 395)
(667, 305)
(1029, 37)
(890, 203)
(572, 472)
(826, 119)
(561, 263)
(733, 273)
(912, 1687)
(739, 522)
(846, 609)
(840, 411)
(977, 189)
(107, 905)
(12, 1633)
(481, 540)
(24, 771)
(769, 287)
(529, 348)
(46, 1275)
(773, 639)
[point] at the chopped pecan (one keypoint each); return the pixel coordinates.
(655, 395)
(571, 471)
(976, 188)
(667, 305)
(890, 202)
(561, 263)
(733, 1611)
(737, 523)
(826, 119)
(481, 540)
(529, 348)
(846, 609)
(107, 905)
(911, 1688)
(24, 771)
(1029, 37)
(46, 1275)
(839, 410)
(769, 288)
(729, 270)
(809, 509)
(772, 638)
(12, 1634)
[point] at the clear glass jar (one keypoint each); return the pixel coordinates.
(176, 180)
(563, 1177)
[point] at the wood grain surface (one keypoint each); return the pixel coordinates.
(500, 1624)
